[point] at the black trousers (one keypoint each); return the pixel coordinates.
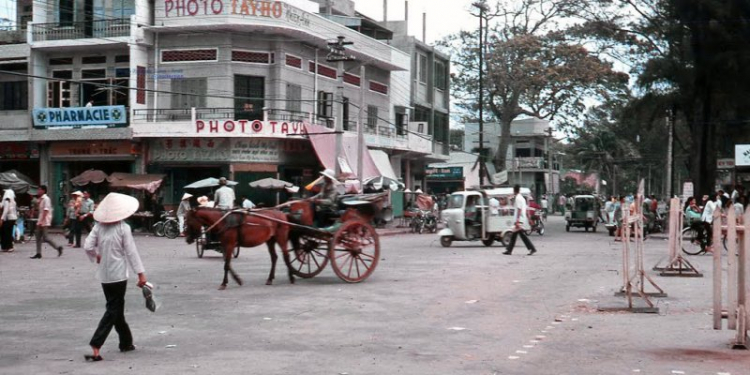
(76, 231)
(6, 233)
(114, 316)
(524, 238)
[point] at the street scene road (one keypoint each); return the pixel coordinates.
(427, 309)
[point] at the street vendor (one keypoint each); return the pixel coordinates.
(224, 196)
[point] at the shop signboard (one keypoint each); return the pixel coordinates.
(254, 128)
(80, 117)
(243, 150)
(742, 155)
(92, 149)
(446, 173)
(18, 151)
(725, 163)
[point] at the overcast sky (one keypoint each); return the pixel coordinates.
(444, 17)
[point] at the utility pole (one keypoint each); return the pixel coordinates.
(547, 145)
(670, 157)
(481, 6)
(360, 125)
(336, 53)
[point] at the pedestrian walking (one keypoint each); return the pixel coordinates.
(77, 224)
(182, 211)
(43, 222)
(8, 221)
(545, 205)
(519, 205)
(224, 196)
(111, 244)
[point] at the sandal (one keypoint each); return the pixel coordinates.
(92, 358)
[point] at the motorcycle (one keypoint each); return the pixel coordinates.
(535, 222)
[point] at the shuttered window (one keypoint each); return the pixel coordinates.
(294, 97)
(189, 93)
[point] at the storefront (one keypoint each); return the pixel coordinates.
(444, 180)
(21, 157)
(186, 160)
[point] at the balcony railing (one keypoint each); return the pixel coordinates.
(12, 35)
(109, 28)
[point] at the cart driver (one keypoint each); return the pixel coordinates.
(326, 201)
(224, 196)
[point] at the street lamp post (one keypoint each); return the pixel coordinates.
(481, 5)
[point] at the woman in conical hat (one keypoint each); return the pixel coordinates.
(111, 244)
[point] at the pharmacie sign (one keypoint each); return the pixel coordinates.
(254, 128)
(80, 117)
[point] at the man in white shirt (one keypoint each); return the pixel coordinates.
(494, 206)
(43, 222)
(520, 215)
(247, 203)
(707, 218)
(224, 196)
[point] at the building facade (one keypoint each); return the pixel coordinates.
(197, 89)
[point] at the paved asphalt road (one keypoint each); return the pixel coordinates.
(466, 309)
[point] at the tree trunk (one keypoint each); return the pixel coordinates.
(502, 150)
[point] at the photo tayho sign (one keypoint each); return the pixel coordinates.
(742, 155)
(80, 117)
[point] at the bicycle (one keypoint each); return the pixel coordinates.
(694, 244)
(167, 226)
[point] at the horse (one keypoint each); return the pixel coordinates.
(243, 229)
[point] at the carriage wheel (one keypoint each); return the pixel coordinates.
(199, 248)
(354, 251)
(310, 259)
(236, 252)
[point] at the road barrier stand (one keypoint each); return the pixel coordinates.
(677, 265)
(737, 265)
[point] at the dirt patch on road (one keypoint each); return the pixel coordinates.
(698, 355)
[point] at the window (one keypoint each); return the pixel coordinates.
(379, 87)
(345, 103)
(188, 55)
(188, 93)
(441, 76)
(401, 123)
(325, 71)
(442, 134)
(352, 79)
(122, 58)
(123, 8)
(93, 73)
(293, 61)
(66, 12)
(249, 92)
(294, 97)
(253, 57)
(325, 104)
(372, 116)
(61, 61)
(422, 68)
(14, 95)
(94, 60)
(58, 92)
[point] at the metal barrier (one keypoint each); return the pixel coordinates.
(738, 246)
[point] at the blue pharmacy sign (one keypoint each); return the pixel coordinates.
(81, 117)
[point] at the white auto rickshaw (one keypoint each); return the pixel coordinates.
(469, 217)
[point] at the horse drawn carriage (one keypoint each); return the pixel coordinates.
(346, 239)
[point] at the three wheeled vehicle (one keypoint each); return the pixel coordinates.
(469, 217)
(584, 213)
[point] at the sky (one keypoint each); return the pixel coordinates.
(444, 17)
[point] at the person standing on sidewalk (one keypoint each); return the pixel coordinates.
(8, 221)
(86, 212)
(76, 225)
(43, 222)
(520, 207)
(111, 244)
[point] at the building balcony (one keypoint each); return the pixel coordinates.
(12, 35)
(108, 28)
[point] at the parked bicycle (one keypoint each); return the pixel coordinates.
(167, 226)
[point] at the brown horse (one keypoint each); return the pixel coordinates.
(243, 229)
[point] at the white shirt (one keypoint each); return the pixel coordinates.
(114, 242)
(520, 206)
(248, 204)
(708, 212)
(10, 211)
(544, 203)
(494, 206)
(224, 198)
(739, 209)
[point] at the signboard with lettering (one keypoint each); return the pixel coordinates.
(725, 163)
(80, 117)
(256, 128)
(742, 155)
(268, 151)
(18, 151)
(447, 173)
(93, 148)
(244, 8)
(500, 177)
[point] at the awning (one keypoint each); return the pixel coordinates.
(91, 176)
(324, 144)
(11, 181)
(383, 163)
(147, 182)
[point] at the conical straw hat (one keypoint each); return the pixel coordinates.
(186, 196)
(77, 192)
(115, 207)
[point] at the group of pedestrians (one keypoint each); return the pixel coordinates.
(700, 217)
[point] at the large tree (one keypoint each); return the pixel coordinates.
(534, 66)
